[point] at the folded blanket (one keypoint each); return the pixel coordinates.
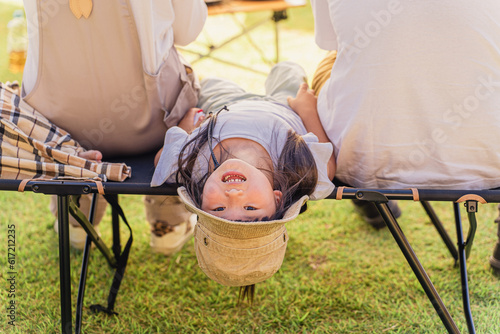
(32, 147)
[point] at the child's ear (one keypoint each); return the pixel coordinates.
(277, 195)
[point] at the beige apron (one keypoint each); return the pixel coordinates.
(91, 81)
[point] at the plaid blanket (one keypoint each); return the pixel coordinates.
(32, 147)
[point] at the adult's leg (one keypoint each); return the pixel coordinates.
(495, 258)
(77, 234)
(370, 214)
(170, 223)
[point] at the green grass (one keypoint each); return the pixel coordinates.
(339, 275)
(296, 43)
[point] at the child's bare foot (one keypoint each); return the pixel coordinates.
(91, 155)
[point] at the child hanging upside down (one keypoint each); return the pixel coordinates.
(246, 170)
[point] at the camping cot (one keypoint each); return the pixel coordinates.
(139, 184)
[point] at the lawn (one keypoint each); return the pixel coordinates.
(339, 275)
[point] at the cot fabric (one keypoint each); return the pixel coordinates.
(32, 147)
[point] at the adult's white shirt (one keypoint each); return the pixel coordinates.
(160, 24)
(414, 95)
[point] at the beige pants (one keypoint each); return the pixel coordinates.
(84, 205)
(164, 212)
(160, 211)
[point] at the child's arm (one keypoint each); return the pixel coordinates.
(157, 156)
(187, 124)
(305, 105)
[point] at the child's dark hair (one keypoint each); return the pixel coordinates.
(184, 175)
(295, 174)
(248, 292)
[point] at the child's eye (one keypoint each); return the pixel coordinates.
(249, 208)
(220, 208)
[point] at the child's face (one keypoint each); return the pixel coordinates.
(239, 191)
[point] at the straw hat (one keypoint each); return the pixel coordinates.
(239, 253)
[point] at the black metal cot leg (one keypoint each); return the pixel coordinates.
(440, 228)
(64, 264)
(83, 274)
(463, 269)
(417, 268)
(115, 221)
(495, 257)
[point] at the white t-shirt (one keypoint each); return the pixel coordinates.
(160, 24)
(264, 122)
(414, 95)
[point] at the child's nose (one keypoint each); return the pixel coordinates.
(234, 192)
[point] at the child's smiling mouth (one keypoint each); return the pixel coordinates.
(233, 177)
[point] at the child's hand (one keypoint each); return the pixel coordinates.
(157, 156)
(304, 104)
(188, 123)
(91, 155)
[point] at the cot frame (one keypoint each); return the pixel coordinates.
(142, 167)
